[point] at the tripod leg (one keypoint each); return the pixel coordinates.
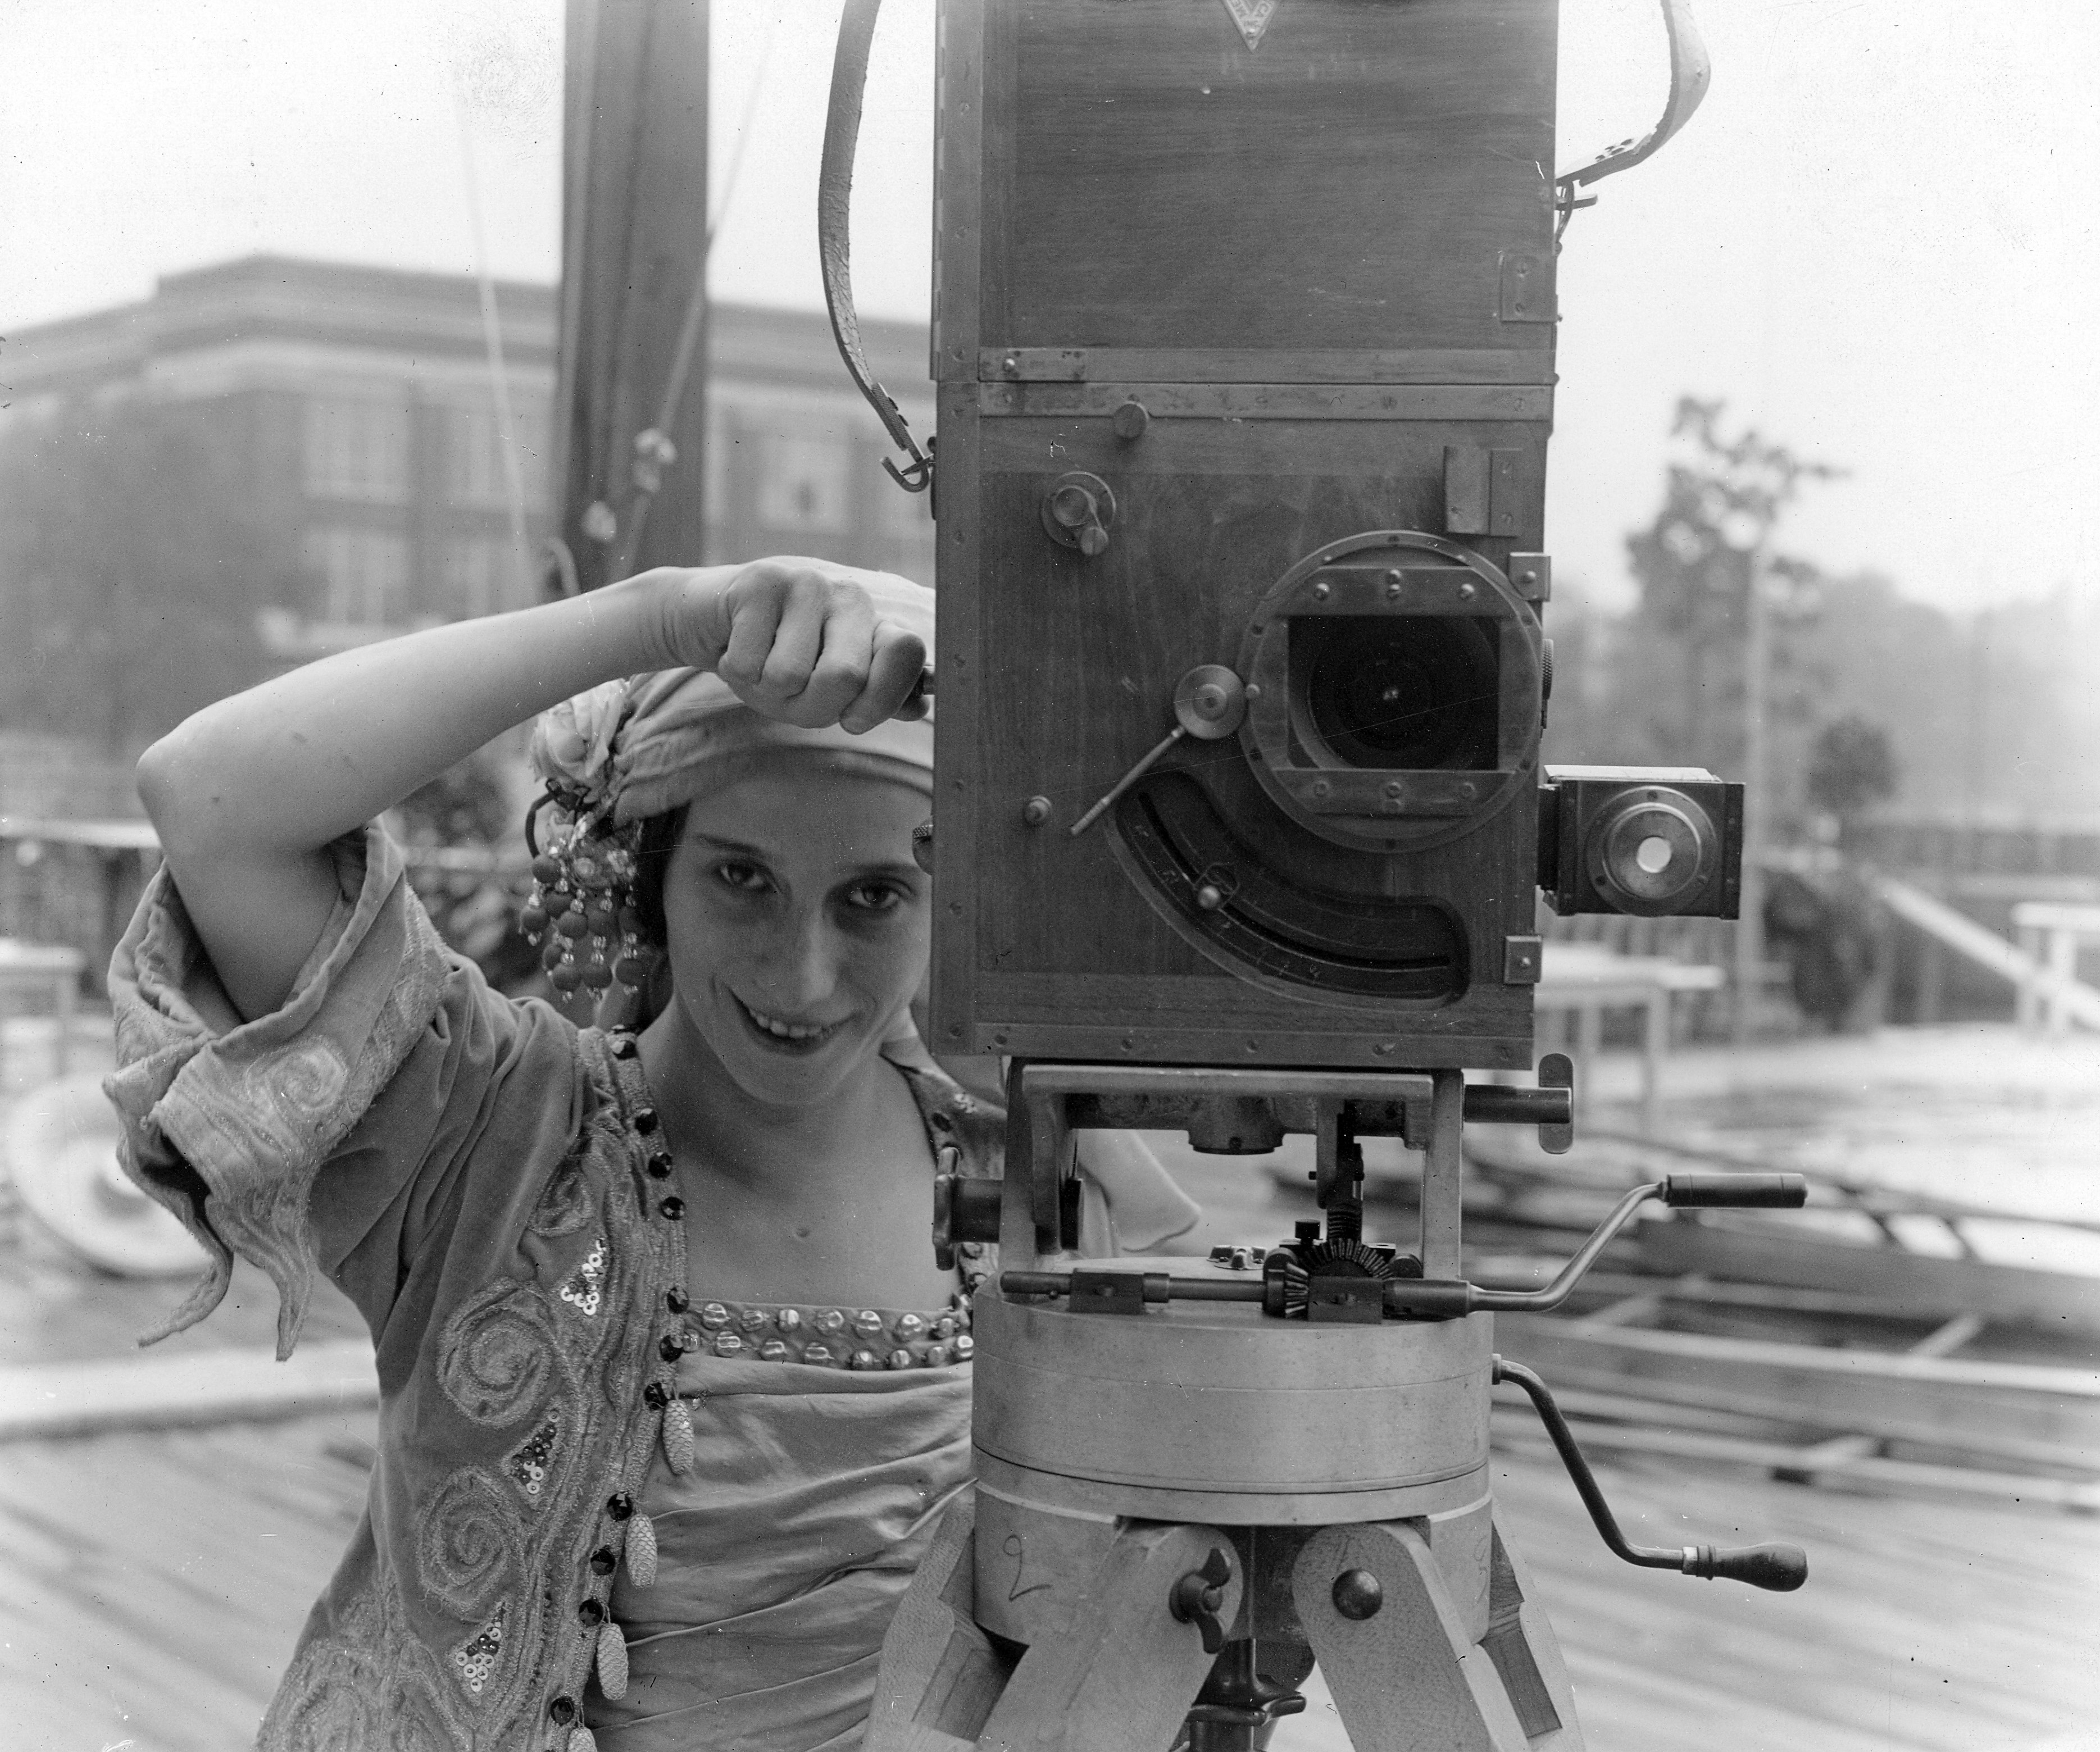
(1405, 1675)
(1520, 1642)
(940, 1674)
(1120, 1675)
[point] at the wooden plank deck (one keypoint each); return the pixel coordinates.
(152, 1583)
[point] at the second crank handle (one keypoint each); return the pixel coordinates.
(1779, 1569)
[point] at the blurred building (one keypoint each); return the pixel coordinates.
(356, 412)
(362, 404)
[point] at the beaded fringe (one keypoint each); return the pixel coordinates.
(612, 1660)
(678, 1438)
(641, 1550)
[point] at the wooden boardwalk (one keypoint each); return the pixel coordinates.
(152, 1583)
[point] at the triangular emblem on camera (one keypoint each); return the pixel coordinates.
(1252, 16)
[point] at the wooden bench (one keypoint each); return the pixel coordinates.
(1586, 980)
(2051, 933)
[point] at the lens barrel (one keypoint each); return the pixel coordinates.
(1417, 692)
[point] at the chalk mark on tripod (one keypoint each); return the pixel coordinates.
(1014, 1548)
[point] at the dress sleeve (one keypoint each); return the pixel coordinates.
(381, 1057)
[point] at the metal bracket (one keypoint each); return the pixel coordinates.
(1108, 1292)
(1527, 288)
(1484, 494)
(1521, 959)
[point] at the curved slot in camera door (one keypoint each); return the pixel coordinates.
(1219, 893)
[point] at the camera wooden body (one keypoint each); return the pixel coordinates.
(1303, 386)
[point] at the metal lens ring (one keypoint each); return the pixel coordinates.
(1393, 688)
(1651, 849)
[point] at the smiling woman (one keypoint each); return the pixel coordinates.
(673, 1394)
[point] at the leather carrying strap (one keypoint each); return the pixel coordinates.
(834, 239)
(1691, 71)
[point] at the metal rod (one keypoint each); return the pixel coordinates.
(1648, 1556)
(1779, 1568)
(1182, 1289)
(1554, 1294)
(1127, 780)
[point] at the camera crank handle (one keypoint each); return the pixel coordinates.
(915, 703)
(1779, 1569)
(1735, 1192)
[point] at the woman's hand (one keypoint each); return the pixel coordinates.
(800, 640)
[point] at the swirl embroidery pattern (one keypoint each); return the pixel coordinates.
(470, 1545)
(565, 1207)
(499, 1352)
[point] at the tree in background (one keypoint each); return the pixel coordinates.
(1851, 767)
(1679, 659)
(129, 575)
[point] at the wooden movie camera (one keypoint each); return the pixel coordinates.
(1244, 340)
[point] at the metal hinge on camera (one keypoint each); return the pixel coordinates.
(1526, 287)
(1484, 491)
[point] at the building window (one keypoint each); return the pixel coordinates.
(802, 483)
(535, 449)
(363, 574)
(480, 576)
(358, 449)
(472, 459)
(475, 476)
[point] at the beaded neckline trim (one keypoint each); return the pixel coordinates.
(830, 1338)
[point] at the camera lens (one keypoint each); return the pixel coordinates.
(1651, 850)
(1415, 692)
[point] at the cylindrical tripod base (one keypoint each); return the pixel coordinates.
(1217, 1412)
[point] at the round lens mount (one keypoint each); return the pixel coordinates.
(1650, 851)
(1394, 690)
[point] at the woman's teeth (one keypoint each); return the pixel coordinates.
(783, 1030)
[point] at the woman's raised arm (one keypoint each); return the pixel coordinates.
(247, 795)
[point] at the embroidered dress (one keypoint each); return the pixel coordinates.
(487, 1185)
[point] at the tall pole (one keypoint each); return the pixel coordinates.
(1757, 667)
(632, 342)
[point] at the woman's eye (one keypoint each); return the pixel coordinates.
(874, 897)
(747, 878)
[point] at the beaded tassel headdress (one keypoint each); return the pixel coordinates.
(617, 755)
(581, 914)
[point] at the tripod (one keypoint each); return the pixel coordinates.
(1195, 1479)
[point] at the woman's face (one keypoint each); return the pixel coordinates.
(798, 927)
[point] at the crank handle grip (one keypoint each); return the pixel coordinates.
(1741, 1192)
(915, 705)
(1777, 1569)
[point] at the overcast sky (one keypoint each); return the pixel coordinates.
(1877, 240)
